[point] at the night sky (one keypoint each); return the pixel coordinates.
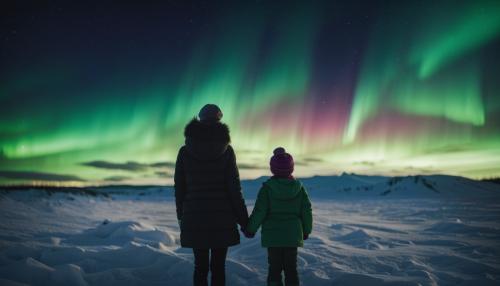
(100, 93)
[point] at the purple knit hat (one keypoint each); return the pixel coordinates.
(281, 163)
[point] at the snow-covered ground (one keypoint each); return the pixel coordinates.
(424, 230)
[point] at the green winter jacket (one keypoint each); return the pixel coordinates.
(284, 210)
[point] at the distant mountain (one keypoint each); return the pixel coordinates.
(419, 186)
(493, 180)
(344, 186)
(401, 187)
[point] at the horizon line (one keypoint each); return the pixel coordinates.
(59, 184)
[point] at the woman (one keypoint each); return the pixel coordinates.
(208, 195)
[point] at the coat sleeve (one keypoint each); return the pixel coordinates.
(306, 212)
(234, 188)
(179, 183)
(260, 210)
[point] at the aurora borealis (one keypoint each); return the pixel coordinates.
(100, 94)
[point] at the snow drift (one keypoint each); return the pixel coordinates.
(422, 230)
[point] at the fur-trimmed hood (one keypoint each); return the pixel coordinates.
(206, 140)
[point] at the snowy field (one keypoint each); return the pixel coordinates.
(435, 230)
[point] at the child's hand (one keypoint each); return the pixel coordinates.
(306, 236)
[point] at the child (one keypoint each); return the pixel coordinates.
(284, 210)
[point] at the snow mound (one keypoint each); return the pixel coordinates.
(361, 239)
(105, 255)
(119, 233)
(357, 235)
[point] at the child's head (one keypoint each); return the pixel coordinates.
(281, 163)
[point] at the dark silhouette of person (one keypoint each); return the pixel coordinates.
(208, 195)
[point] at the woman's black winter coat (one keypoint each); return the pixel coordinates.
(207, 188)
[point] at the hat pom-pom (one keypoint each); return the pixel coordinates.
(279, 150)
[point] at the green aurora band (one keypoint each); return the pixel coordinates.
(424, 100)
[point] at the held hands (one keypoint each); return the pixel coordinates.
(247, 234)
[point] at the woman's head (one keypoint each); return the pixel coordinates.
(210, 113)
(281, 163)
(206, 137)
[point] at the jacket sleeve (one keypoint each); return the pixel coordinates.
(179, 183)
(306, 212)
(260, 210)
(234, 188)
